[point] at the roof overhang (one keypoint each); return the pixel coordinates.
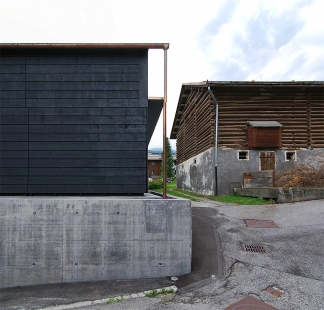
(163, 46)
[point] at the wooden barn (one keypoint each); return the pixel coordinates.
(75, 118)
(229, 131)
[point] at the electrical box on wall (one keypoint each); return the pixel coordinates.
(264, 134)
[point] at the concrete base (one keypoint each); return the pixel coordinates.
(72, 239)
(281, 194)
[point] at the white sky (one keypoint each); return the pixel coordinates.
(216, 40)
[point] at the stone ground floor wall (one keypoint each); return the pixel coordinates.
(71, 239)
(230, 168)
(198, 173)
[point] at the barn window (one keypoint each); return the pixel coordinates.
(290, 156)
(243, 155)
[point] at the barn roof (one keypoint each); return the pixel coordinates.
(220, 86)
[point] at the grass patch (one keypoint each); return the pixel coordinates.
(240, 200)
(155, 292)
(172, 189)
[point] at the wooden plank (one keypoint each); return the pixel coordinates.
(13, 154)
(13, 111)
(13, 119)
(85, 171)
(12, 85)
(15, 137)
(135, 137)
(13, 171)
(80, 119)
(76, 86)
(88, 189)
(78, 59)
(13, 179)
(87, 129)
(11, 60)
(84, 77)
(75, 163)
(12, 68)
(13, 146)
(14, 129)
(82, 102)
(94, 111)
(79, 69)
(12, 102)
(13, 189)
(130, 154)
(85, 94)
(9, 77)
(84, 146)
(14, 162)
(8, 94)
(97, 180)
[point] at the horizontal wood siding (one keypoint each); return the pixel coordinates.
(13, 126)
(74, 123)
(300, 109)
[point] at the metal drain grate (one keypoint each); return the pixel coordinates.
(255, 248)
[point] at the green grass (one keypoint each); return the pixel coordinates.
(240, 200)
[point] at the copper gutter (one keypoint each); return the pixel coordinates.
(85, 45)
(164, 122)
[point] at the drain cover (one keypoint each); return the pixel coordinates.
(250, 303)
(260, 224)
(255, 248)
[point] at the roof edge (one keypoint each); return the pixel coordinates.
(163, 46)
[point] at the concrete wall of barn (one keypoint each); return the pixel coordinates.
(198, 173)
(57, 240)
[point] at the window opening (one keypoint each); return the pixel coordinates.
(291, 156)
(243, 155)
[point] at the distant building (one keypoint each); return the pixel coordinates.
(259, 126)
(154, 163)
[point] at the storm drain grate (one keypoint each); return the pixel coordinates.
(255, 248)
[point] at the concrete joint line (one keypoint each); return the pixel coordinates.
(111, 299)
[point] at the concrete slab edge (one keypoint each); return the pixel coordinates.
(112, 299)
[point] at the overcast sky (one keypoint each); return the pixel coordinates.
(217, 40)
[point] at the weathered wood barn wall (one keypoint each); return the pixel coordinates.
(73, 119)
(298, 106)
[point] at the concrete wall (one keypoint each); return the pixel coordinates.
(198, 173)
(68, 239)
(230, 169)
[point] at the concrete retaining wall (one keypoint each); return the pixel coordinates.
(69, 239)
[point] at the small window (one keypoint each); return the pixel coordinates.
(291, 156)
(152, 172)
(243, 155)
(153, 163)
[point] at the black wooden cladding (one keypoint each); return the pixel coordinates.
(73, 122)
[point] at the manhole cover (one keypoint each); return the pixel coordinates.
(255, 248)
(260, 224)
(250, 303)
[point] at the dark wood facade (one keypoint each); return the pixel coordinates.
(73, 120)
(298, 106)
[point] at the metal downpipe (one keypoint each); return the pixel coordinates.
(164, 122)
(216, 134)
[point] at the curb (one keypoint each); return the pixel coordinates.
(111, 299)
